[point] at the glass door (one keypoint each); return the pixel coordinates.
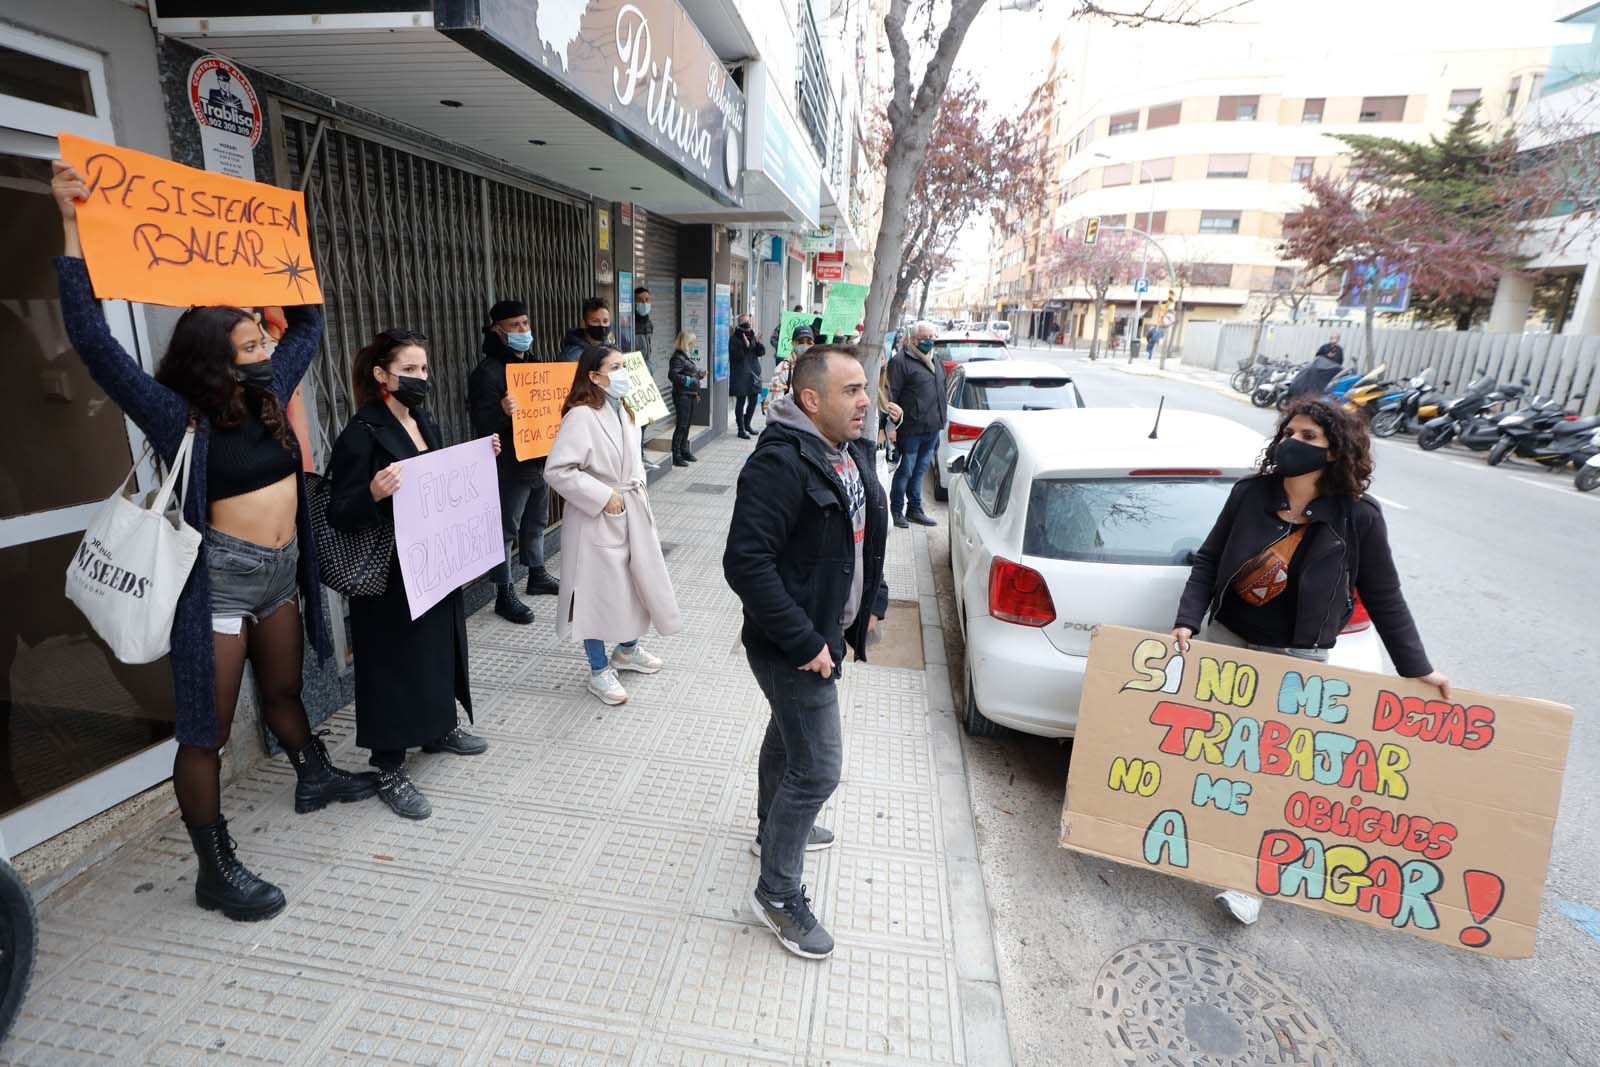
(79, 731)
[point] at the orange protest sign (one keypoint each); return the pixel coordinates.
(163, 233)
(539, 390)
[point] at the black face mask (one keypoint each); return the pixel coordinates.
(412, 392)
(1294, 457)
(258, 374)
(597, 333)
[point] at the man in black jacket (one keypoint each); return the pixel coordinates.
(805, 555)
(917, 385)
(596, 330)
(524, 499)
(644, 327)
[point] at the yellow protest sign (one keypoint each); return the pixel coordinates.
(162, 233)
(645, 397)
(1364, 796)
(539, 390)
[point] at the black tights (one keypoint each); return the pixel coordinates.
(273, 647)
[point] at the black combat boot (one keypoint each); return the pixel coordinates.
(509, 608)
(321, 783)
(225, 884)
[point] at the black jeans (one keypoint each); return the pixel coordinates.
(683, 411)
(744, 409)
(524, 510)
(800, 762)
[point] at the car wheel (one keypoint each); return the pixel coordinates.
(973, 720)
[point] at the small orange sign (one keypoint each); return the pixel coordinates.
(163, 233)
(539, 390)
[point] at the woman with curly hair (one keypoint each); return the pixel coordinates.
(1280, 570)
(257, 570)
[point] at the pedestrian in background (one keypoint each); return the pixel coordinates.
(524, 498)
(684, 376)
(644, 327)
(744, 374)
(779, 386)
(410, 673)
(594, 330)
(614, 582)
(257, 563)
(917, 384)
(805, 555)
(1280, 569)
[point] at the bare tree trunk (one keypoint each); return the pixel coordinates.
(922, 308)
(1370, 302)
(911, 112)
(1094, 341)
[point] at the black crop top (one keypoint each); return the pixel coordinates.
(245, 458)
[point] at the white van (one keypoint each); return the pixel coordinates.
(1001, 329)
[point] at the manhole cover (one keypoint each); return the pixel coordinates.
(704, 487)
(1188, 1005)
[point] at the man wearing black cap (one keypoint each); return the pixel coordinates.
(524, 499)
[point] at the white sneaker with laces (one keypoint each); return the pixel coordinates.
(604, 684)
(1242, 906)
(634, 659)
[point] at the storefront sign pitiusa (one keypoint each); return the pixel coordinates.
(639, 64)
(1359, 795)
(225, 106)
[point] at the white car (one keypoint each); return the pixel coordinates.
(980, 392)
(1001, 329)
(967, 346)
(1061, 521)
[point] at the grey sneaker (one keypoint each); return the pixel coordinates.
(796, 927)
(395, 789)
(821, 838)
(460, 742)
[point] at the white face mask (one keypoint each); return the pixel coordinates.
(618, 385)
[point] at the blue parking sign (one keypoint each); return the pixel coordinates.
(1142, 285)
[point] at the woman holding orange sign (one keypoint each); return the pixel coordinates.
(243, 600)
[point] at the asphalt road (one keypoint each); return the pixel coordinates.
(1502, 570)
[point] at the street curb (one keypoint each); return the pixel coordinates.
(983, 1018)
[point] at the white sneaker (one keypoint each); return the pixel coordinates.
(1242, 906)
(604, 684)
(634, 659)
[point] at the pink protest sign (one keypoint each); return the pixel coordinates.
(447, 521)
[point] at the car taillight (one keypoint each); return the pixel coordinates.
(949, 366)
(1359, 619)
(1019, 594)
(962, 432)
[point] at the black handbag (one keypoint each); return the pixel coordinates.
(355, 563)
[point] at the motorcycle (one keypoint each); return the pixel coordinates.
(1482, 430)
(1548, 435)
(1480, 396)
(1270, 390)
(1369, 389)
(1588, 479)
(1418, 403)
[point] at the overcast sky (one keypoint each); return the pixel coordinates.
(1006, 52)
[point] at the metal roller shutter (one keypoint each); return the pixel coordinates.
(656, 247)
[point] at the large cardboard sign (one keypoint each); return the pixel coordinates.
(1360, 795)
(645, 397)
(845, 309)
(162, 233)
(447, 521)
(539, 390)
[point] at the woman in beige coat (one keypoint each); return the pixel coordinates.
(614, 582)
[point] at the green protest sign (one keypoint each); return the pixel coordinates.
(847, 302)
(792, 320)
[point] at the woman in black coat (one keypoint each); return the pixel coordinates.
(684, 377)
(409, 673)
(744, 374)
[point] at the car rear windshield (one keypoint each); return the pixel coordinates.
(962, 351)
(1018, 394)
(1151, 521)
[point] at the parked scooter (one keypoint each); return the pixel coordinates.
(1548, 435)
(1370, 388)
(1480, 396)
(1482, 431)
(1418, 403)
(1588, 479)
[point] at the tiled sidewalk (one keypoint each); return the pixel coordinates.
(580, 895)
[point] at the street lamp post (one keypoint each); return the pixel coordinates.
(1144, 257)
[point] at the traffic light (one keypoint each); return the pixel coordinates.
(1091, 231)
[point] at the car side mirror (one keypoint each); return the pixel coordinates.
(958, 465)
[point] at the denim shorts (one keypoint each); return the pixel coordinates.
(248, 581)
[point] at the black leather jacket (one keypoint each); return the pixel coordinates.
(1346, 549)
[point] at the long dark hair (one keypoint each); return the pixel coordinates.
(198, 366)
(585, 393)
(1349, 469)
(380, 353)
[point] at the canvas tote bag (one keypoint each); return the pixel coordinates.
(132, 565)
